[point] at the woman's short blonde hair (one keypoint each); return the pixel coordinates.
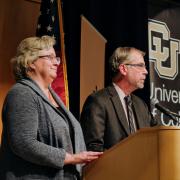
(27, 52)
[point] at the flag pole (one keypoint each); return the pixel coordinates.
(61, 29)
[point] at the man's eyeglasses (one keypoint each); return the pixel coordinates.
(51, 58)
(141, 65)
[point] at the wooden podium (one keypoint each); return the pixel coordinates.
(149, 154)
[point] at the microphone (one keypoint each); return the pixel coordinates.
(166, 111)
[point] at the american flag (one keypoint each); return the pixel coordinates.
(50, 23)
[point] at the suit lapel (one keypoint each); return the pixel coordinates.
(118, 108)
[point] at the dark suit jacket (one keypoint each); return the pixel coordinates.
(104, 122)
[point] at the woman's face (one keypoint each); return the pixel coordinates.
(45, 67)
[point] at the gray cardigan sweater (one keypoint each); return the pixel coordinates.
(35, 135)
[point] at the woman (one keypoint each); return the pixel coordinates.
(41, 139)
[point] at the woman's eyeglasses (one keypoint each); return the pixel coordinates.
(51, 58)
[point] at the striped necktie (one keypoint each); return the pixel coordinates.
(130, 114)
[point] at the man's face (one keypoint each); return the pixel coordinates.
(136, 70)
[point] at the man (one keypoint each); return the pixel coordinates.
(107, 117)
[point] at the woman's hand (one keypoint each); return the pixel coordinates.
(82, 157)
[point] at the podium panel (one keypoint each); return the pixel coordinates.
(149, 154)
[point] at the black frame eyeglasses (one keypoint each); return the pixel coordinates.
(51, 58)
(140, 65)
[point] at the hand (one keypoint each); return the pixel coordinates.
(82, 157)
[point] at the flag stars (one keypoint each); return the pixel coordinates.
(39, 26)
(53, 18)
(48, 10)
(54, 36)
(49, 28)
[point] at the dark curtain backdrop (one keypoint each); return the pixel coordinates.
(121, 22)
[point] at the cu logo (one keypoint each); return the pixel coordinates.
(163, 50)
